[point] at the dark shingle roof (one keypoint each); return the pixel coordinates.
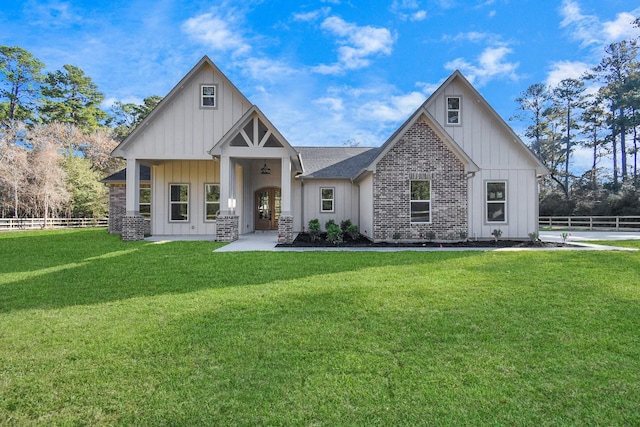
(121, 176)
(335, 162)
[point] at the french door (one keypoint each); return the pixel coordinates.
(267, 209)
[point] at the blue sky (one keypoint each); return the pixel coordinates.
(325, 72)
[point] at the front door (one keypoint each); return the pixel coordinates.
(267, 208)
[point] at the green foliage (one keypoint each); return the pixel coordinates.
(125, 117)
(21, 74)
(329, 224)
(334, 234)
(344, 225)
(89, 198)
(534, 236)
(430, 235)
(70, 96)
(396, 235)
(314, 229)
(353, 231)
(496, 233)
(463, 235)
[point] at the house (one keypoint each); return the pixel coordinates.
(219, 167)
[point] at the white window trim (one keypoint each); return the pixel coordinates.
(447, 109)
(487, 201)
(420, 200)
(208, 203)
(214, 96)
(171, 203)
(333, 200)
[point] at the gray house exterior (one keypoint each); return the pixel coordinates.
(218, 167)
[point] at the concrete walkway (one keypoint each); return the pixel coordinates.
(267, 241)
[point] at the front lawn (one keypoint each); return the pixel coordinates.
(94, 331)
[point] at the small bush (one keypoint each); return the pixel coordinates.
(496, 234)
(329, 224)
(314, 229)
(397, 235)
(430, 235)
(463, 235)
(534, 236)
(353, 231)
(334, 234)
(344, 225)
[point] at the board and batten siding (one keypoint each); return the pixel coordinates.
(522, 203)
(184, 130)
(366, 207)
(194, 173)
(499, 156)
(480, 135)
(346, 205)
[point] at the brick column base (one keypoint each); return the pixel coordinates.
(227, 228)
(133, 228)
(285, 229)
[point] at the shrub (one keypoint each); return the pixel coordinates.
(329, 224)
(534, 236)
(496, 234)
(463, 235)
(344, 225)
(353, 231)
(430, 235)
(397, 235)
(334, 234)
(314, 229)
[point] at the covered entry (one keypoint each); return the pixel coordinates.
(268, 207)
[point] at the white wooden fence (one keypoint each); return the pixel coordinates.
(591, 222)
(38, 223)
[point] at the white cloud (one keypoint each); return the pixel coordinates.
(420, 15)
(393, 109)
(312, 15)
(217, 32)
(408, 10)
(561, 70)
(357, 44)
(589, 30)
(267, 69)
(491, 63)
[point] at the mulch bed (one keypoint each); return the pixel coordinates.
(303, 240)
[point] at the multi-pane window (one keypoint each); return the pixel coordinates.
(496, 201)
(208, 96)
(211, 201)
(179, 202)
(326, 199)
(145, 202)
(453, 110)
(420, 200)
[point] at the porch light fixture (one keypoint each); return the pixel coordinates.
(266, 170)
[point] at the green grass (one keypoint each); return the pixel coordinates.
(94, 331)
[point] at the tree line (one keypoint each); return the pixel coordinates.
(599, 112)
(56, 139)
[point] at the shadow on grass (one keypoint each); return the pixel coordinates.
(59, 269)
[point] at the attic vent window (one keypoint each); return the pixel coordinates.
(208, 96)
(453, 110)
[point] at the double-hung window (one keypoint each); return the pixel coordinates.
(179, 202)
(327, 199)
(208, 96)
(420, 200)
(211, 201)
(453, 110)
(496, 201)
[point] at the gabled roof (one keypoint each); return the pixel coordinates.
(167, 100)
(436, 127)
(237, 128)
(541, 169)
(334, 162)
